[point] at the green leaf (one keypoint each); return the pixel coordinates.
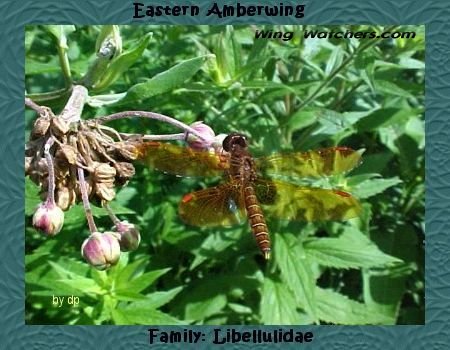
(121, 63)
(225, 57)
(213, 245)
(140, 283)
(208, 296)
(143, 315)
(352, 249)
(334, 60)
(388, 118)
(32, 198)
(295, 271)
(372, 187)
(167, 80)
(411, 63)
(384, 291)
(104, 100)
(125, 274)
(116, 208)
(302, 118)
(415, 128)
(257, 52)
(240, 309)
(336, 308)
(389, 88)
(374, 163)
(277, 305)
(158, 299)
(75, 217)
(85, 285)
(36, 67)
(128, 295)
(74, 280)
(206, 307)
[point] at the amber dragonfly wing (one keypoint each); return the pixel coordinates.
(220, 205)
(322, 162)
(182, 161)
(288, 201)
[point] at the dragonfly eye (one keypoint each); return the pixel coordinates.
(234, 139)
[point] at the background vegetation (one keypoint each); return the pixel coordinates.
(286, 95)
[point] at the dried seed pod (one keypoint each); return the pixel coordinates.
(69, 152)
(65, 197)
(40, 127)
(103, 172)
(59, 126)
(88, 185)
(127, 150)
(124, 170)
(61, 166)
(28, 165)
(41, 167)
(105, 191)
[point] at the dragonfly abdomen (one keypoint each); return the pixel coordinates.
(257, 222)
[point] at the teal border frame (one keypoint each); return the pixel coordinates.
(435, 15)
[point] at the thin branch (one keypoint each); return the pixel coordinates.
(167, 137)
(151, 115)
(51, 172)
(111, 215)
(34, 106)
(85, 198)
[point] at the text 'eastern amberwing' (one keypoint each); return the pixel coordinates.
(244, 189)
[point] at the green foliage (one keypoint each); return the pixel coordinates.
(296, 95)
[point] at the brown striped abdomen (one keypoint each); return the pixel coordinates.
(257, 221)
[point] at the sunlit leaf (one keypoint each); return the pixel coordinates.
(166, 81)
(121, 64)
(336, 308)
(350, 250)
(295, 272)
(372, 187)
(277, 304)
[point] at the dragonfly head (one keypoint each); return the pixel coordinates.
(234, 139)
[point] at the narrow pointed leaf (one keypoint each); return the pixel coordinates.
(167, 80)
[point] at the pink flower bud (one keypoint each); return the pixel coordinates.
(129, 236)
(48, 218)
(204, 130)
(218, 141)
(101, 250)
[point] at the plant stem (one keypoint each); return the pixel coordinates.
(85, 198)
(151, 115)
(50, 96)
(51, 172)
(112, 216)
(167, 137)
(34, 106)
(65, 66)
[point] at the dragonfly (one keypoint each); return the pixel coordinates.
(248, 189)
